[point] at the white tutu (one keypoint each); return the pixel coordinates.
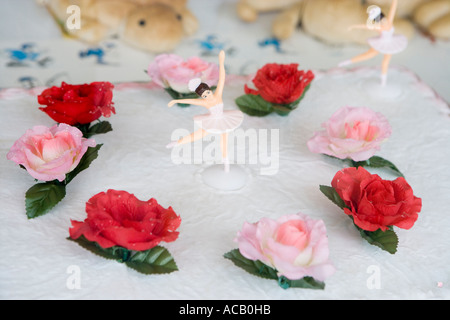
(388, 42)
(218, 121)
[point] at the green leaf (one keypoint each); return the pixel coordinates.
(156, 260)
(261, 270)
(304, 283)
(386, 240)
(332, 194)
(256, 268)
(90, 155)
(254, 105)
(374, 162)
(281, 110)
(119, 254)
(99, 128)
(84, 128)
(42, 197)
(153, 261)
(378, 162)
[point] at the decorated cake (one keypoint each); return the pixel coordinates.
(286, 183)
(285, 176)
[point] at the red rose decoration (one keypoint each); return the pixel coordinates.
(117, 218)
(78, 104)
(376, 203)
(280, 83)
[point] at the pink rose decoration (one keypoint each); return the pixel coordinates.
(295, 245)
(50, 153)
(171, 71)
(351, 132)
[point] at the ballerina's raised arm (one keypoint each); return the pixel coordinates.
(392, 12)
(222, 75)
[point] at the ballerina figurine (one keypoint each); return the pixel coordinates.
(387, 43)
(216, 121)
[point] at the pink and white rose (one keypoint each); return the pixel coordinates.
(295, 245)
(172, 71)
(50, 153)
(351, 132)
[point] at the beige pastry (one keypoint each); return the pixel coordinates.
(151, 25)
(327, 20)
(330, 21)
(434, 18)
(144, 30)
(249, 10)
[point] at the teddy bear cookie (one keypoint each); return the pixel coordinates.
(330, 20)
(151, 25)
(327, 20)
(288, 13)
(434, 18)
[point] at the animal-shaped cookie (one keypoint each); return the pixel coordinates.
(150, 25)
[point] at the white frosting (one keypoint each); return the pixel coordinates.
(37, 258)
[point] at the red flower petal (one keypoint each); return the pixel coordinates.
(347, 183)
(78, 104)
(280, 84)
(119, 218)
(376, 203)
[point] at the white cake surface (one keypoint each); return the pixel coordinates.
(37, 259)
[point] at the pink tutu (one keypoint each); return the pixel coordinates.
(218, 121)
(388, 42)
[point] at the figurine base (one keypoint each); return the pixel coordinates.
(388, 91)
(215, 176)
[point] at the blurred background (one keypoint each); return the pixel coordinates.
(34, 51)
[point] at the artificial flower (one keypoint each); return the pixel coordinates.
(173, 73)
(374, 204)
(118, 218)
(122, 227)
(55, 156)
(294, 246)
(280, 83)
(78, 104)
(279, 88)
(50, 153)
(351, 132)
